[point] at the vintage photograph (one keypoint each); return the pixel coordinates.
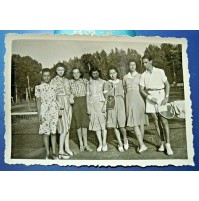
(97, 101)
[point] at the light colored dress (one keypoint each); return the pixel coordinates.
(48, 108)
(135, 105)
(116, 118)
(63, 98)
(95, 104)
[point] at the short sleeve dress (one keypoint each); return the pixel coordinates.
(116, 118)
(63, 98)
(135, 105)
(49, 108)
(95, 103)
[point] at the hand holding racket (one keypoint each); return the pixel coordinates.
(165, 101)
(167, 111)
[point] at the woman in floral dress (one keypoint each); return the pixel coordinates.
(47, 108)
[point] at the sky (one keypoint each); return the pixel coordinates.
(49, 52)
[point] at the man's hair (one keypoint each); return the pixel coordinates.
(147, 57)
(45, 70)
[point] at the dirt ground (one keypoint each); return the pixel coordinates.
(28, 144)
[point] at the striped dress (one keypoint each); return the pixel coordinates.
(63, 98)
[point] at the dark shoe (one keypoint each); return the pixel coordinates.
(63, 156)
(49, 157)
(87, 148)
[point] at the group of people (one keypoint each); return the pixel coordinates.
(96, 105)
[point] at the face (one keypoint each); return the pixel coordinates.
(95, 75)
(147, 64)
(60, 71)
(46, 77)
(113, 74)
(132, 66)
(76, 74)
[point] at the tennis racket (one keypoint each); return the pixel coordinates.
(167, 111)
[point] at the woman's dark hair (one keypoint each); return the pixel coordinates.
(45, 70)
(132, 60)
(59, 64)
(116, 70)
(81, 74)
(95, 69)
(138, 65)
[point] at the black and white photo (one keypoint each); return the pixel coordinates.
(97, 101)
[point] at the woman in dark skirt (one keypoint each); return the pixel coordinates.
(80, 119)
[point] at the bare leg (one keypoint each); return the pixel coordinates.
(104, 136)
(46, 144)
(158, 127)
(84, 135)
(62, 154)
(67, 147)
(117, 134)
(104, 144)
(79, 134)
(123, 131)
(61, 143)
(53, 142)
(138, 136)
(167, 135)
(99, 137)
(166, 129)
(142, 130)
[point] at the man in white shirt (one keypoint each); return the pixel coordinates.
(155, 87)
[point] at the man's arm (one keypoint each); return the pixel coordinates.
(143, 92)
(167, 91)
(146, 95)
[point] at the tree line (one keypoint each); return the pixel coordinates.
(26, 72)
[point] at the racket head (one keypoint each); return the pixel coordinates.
(166, 111)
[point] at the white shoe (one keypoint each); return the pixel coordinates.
(120, 148)
(105, 148)
(99, 149)
(161, 148)
(126, 146)
(168, 149)
(142, 148)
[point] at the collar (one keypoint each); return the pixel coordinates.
(154, 69)
(79, 80)
(57, 77)
(114, 82)
(130, 75)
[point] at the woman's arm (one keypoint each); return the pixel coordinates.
(38, 104)
(88, 98)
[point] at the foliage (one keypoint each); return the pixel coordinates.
(169, 58)
(165, 56)
(24, 69)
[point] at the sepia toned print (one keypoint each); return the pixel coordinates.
(121, 101)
